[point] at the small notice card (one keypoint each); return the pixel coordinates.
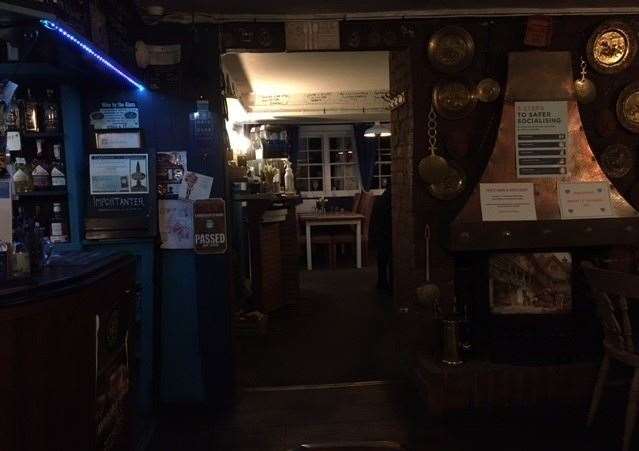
(507, 202)
(585, 200)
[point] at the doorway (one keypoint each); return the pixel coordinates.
(324, 115)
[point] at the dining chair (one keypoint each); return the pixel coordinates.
(612, 291)
(356, 200)
(365, 208)
(318, 238)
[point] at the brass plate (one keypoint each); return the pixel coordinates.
(451, 49)
(617, 160)
(628, 107)
(453, 184)
(453, 100)
(612, 47)
(487, 90)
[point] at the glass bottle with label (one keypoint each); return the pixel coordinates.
(12, 117)
(31, 116)
(58, 172)
(22, 176)
(40, 173)
(51, 113)
(59, 228)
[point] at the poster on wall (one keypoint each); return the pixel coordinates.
(585, 200)
(119, 173)
(195, 186)
(171, 168)
(531, 283)
(176, 224)
(541, 138)
(209, 223)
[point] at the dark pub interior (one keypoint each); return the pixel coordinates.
(329, 226)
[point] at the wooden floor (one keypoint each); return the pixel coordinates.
(279, 420)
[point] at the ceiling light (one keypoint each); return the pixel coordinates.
(378, 130)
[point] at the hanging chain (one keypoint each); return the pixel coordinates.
(432, 130)
(583, 69)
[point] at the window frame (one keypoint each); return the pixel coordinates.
(325, 132)
(377, 173)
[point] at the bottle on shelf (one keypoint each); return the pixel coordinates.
(31, 114)
(40, 172)
(12, 117)
(58, 172)
(51, 113)
(59, 228)
(22, 176)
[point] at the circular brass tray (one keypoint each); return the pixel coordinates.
(612, 47)
(451, 49)
(628, 107)
(453, 184)
(617, 160)
(453, 100)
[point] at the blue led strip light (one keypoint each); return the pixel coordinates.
(93, 52)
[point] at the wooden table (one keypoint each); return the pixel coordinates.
(333, 219)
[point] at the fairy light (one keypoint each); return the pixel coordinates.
(105, 61)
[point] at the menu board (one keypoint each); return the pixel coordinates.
(541, 136)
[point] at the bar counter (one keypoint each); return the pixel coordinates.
(65, 355)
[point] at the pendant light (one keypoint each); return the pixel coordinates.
(378, 130)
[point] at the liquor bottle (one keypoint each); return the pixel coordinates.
(40, 173)
(58, 174)
(51, 113)
(12, 117)
(22, 176)
(31, 116)
(59, 228)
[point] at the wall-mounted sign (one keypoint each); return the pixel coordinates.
(171, 168)
(541, 137)
(507, 202)
(116, 115)
(119, 173)
(585, 200)
(118, 140)
(120, 204)
(209, 223)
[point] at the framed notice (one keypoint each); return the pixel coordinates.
(209, 226)
(118, 140)
(541, 137)
(119, 173)
(116, 115)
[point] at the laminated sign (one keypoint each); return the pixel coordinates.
(209, 223)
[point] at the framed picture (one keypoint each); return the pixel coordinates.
(530, 283)
(118, 140)
(119, 173)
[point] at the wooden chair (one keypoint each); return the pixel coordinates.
(612, 290)
(318, 238)
(365, 206)
(356, 199)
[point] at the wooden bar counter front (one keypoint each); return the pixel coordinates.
(64, 356)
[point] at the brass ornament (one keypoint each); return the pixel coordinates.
(617, 160)
(432, 168)
(487, 90)
(585, 89)
(628, 107)
(612, 47)
(451, 49)
(451, 186)
(453, 100)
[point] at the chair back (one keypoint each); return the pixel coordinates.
(611, 291)
(356, 202)
(366, 204)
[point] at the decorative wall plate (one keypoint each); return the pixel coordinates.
(617, 160)
(451, 49)
(453, 100)
(453, 184)
(628, 107)
(487, 90)
(612, 47)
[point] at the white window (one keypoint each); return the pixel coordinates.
(327, 162)
(382, 171)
